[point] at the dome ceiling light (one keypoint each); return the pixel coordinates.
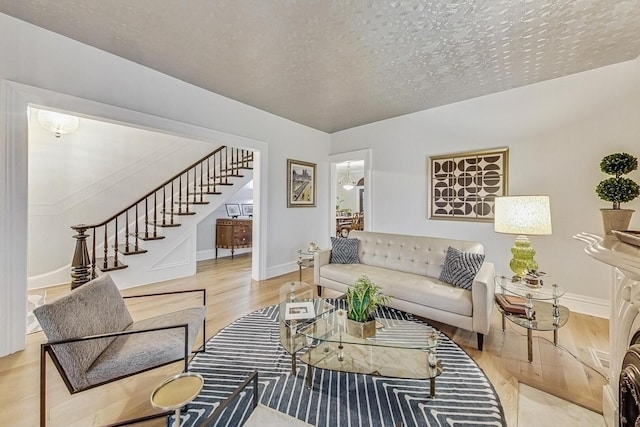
(58, 123)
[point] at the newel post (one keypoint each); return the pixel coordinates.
(81, 263)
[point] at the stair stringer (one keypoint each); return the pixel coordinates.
(175, 255)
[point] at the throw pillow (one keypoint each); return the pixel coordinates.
(344, 251)
(460, 268)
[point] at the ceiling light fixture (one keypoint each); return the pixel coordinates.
(58, 123)
(350, 182)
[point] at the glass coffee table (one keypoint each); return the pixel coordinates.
(541, 309)
(399, 349)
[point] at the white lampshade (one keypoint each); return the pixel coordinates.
(522, 215)
(58, 123)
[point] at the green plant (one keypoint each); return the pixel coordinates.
(364, 298)
(618, 189)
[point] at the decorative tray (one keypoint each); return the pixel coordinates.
(628, 236)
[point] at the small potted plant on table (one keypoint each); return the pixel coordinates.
(617, 190)
(363, 298)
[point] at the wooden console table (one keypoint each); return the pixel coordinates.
(233, 233)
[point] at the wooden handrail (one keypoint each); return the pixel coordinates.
(200, 178)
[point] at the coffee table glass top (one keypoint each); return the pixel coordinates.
(331, 327)
(548, 291)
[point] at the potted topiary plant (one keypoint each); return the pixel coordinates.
(617, 190)
(363, 298)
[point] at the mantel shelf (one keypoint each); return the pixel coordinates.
(612, 251)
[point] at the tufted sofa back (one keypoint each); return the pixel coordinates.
(410, 254)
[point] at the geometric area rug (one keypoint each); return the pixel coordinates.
(464, 395)
(34, 300)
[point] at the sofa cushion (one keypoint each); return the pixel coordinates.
(91, 309)
(137, 352)
(415, 288)
(460, 267)
(410, 254)
(344, 251)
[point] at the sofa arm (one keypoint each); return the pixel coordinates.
(320, 258)
(482, 295)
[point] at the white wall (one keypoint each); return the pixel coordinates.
(42, 59)
(557, 132)
(87, 176)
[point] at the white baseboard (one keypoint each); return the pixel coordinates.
(281, 269)
(597, 307)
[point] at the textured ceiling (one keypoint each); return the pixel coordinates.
(337, 64)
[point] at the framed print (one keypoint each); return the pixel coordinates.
(233, 210)
(301, 184)
(247, 210)
(464, 185)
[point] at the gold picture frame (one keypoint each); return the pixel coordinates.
(301, 184)
(464, 185)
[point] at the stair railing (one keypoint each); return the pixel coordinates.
(158, 208)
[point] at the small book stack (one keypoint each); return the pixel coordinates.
(511, 304)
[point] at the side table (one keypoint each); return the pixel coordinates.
(305, 260)
(542, 311)
(177, 391)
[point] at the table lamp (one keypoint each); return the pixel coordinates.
(523, 215)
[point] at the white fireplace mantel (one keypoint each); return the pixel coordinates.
(624, 314)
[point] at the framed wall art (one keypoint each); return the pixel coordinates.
(464, 185)
(301, 184)
(233, 210)
(247, 210)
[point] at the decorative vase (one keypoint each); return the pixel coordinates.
(361, 329)
(616, 219)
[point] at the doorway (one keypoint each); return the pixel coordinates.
(351, 191)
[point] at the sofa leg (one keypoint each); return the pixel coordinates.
(480, 341)
(319, 290)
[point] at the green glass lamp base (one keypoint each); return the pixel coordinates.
(522, 261)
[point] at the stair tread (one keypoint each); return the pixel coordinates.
(148, 236)
(176, 213)
(131, 249)
(111, 264)
(193, 202)
(166, 223)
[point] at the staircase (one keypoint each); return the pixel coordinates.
(158, 215)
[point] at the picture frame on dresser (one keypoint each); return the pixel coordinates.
(247, 210)
(301, 184)
(233, 210)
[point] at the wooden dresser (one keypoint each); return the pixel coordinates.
(233, 233)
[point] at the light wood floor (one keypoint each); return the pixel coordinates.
(232, 294)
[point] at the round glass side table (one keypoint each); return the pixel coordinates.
(176, 391)
(541, 309)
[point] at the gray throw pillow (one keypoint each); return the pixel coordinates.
(344, 251)
(460, 268)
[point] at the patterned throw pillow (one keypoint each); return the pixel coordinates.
(344, 251)
(460, 268)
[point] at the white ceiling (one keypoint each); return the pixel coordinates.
(337, 64)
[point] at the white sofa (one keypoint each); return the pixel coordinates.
(408, 269)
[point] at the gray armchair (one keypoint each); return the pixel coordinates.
(93, 340)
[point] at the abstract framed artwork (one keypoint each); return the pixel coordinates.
(464, 185)
(301, 184)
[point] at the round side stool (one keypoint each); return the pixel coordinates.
(176, 392)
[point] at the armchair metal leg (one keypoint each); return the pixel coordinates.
(43, 386)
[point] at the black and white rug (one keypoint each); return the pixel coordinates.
(464, 395)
